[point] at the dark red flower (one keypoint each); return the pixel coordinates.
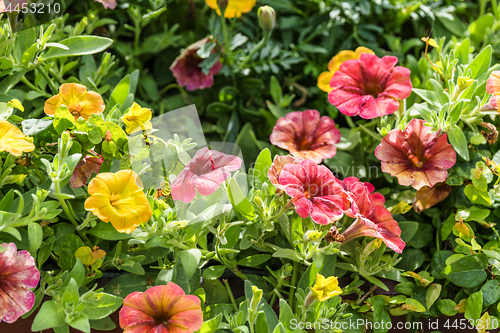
(84, 169)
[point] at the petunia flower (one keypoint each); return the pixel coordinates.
(307, 135)
(18, 274)
(137, 118)
(427, 197)
(416, 157)
(370, 87)
(84, 169)
(279, 163)
(493, 87)
(161, 309)
(118, 198)
(12, 139)
(235, 8)
(108, 4)
(187, 72)
(206, 171)
(334, 64)
(79, 101)
(315, 191)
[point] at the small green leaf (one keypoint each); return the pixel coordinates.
(474, 305)
(79, 45)
(213, 272)
(459, 142)
(190, 260)
(210, 326)
(63, 119)
(35, 235)
(51, 314)
(254, 260)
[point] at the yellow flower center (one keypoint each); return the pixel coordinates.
(415, 161)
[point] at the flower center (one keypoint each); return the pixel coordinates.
(415, 161)
(75, 114)
(307, 195)
(114, 200)
(372, 89)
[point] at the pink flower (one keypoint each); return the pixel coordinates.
(84, 169)
(372, 218)
(306, 135)
(279, 163)
(161, 309)
(370, 86)
(187, 72)
(18, 274)
(315, 191)
(416, 157)
(206, 171)
(493, 87)
(108, 4)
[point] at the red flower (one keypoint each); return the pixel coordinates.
(370, 86)
(187, 72)
(84, 169)
(206, 171)
(416, 157)
(161, 309)
(315, 191)
(306, 135)
(18, 274)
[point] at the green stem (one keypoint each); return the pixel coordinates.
(56, 75)
(371, 133)
(32, 87)
(256, 48)
(231, 296)
(494, 8)
(47, 78)
(295, 274)
(224, 32)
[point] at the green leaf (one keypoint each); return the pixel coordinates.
(106, 231)
(308, 278)
(491, 293)
(32, 127)
(104, 324)
(101, 305)
(79, 45)
(380, 313)
(51, 314)
(286, 315)
(77, 273)
(287, 254)
(262, 165)
(120, 93)
(71, 293)
(190, 260)
(254, 260)
(447, 307)
(432, 294)
(81, 323)
(468, 271)
(474, 305)
(239, 200)
(415, 305)
(67, 259)
(477, 196)
(276, 91)
(429, 96)
(478, 28)
(213, 272)
(481, 63)
(63, 119)
(210, 326)
(459, 142)
(35, 236)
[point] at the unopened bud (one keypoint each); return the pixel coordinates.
(267, 18)
(311, 235)
(464, 83)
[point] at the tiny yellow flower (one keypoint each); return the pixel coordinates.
(12, 139)
(235, 8)
(325, 289)
(312, 235)
(137, 118)
(334, 65)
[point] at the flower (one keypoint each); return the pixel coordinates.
(416, 157)
(137, 118)
(493, 87)
(84, 169)
(315, 191)
(278, 163)
(18, 274)
(323, 289)
(267, 18)
(187, 71)
(161, 309)
(79, 101)
(108, 4)
(427, 197)
(118, 198)
(334, 65)
(206, 171)
(234, 7)
(306, 135)
(370, 87)
(12, 139)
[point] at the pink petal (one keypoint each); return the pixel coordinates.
(182, 187)
(377, 70)
(399, 84)
(303, 206)
(131, 316)
(325, 209)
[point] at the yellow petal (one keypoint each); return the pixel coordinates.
(324, 81)
(12, 139)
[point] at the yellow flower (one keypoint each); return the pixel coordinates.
(118, 198)
(325, 289)
(12, 139)
(234, 7)
(79, 101)
(137, 117)
(334, 65)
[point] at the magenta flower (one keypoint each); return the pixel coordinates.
(18, 274)
(206, 171)
(84, 169)
(306, 135)
(187, 72)
(416, 157)
(370, 87)
(161, 309)
(108, 4)
(315, 191)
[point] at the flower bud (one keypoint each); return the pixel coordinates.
(464, 83)
(267, 18)
(311, 235)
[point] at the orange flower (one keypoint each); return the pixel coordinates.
(334, 65)
(12, 139)
(118, 198)
(79, 101)
(234, 7)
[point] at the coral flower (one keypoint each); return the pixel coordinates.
(206, 171)
(187, 72)
(118, 198)
(315, 191)
(137, 118)
(108, 4)
(18, 274)
(493, 87)
(370, 87)
(234, 7)
(416, 157)
(12, 139)
(279, 163)
(334, 65)
(161, 309)
(306, 135)
(84, 169)
(79, 101)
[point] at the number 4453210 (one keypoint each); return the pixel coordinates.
(471, 324)
(32, 8)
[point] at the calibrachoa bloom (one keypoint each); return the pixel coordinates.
(234, 7)
(493, 87)
(79, 101)
(12, 139)
(18, 274)
(84, 169)
(307, 135)
(187, 72)
(161, 309)
(315, 191)
(427, 197)
(206, 171)
(416, 157)
(137, 118)
(370, 87)
(279, 163)
(118, 198)
(323, 290)
(334, 65)
(108, 4)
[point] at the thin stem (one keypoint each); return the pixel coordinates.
(33, 87)
(295, 274)
(224, 31)
(231, 296)
(47, 78)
